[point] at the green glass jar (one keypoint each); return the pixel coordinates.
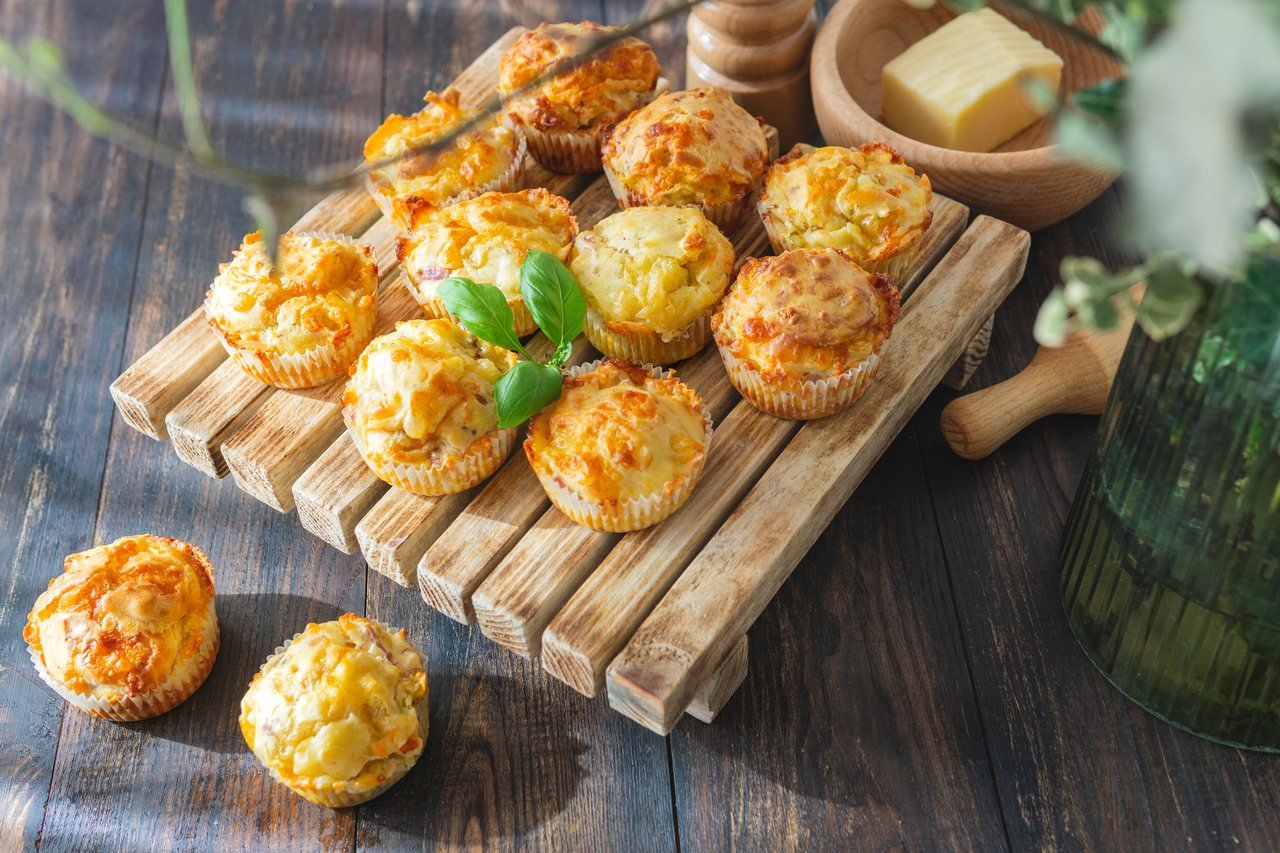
(1171, 557)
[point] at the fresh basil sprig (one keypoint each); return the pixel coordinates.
(553, 297)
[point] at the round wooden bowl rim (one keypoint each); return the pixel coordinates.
(825, 73)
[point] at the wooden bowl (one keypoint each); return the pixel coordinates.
(1026, 181)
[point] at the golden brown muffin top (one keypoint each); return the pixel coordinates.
(619, 433)
(593, 95)
(864, 200)
(339, 706)
(122, 617)
(695, 147)
(805, 314)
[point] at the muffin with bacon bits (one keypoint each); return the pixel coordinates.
(801, 332)
(650, 277)
(339, 713)
(420, 407)
(484, 239)
(623, 446)
(302, 320)
(695, 148)
(565, 118)
(864, 201)
(488, 157)
(128, 630)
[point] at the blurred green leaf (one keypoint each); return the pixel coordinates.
(1103, 100)
(1121, 31)
(1170, 301)
(1051, 320)
(1086, 139)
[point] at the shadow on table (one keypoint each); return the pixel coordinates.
(249, 624)
(495, 766)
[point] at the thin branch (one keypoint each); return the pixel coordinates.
(184, 79)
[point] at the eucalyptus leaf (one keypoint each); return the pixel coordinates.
(553, 297)
(525, 390)
(1170, 301)
(1051, 320)
(1103, 100)
(1088, 140)
(482, 310)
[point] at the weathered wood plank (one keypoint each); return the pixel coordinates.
(733, 578)
(184, 780)
(69, 252)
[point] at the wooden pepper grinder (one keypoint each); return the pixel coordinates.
(758, 51)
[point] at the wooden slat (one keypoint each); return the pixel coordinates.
(732, 579)
(154, 384)
(278, 441)
(525, 589)
(709, 699)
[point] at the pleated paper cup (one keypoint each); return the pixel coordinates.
(621, 516)
(385, 196)
(727, 215)
(433, 306)
(799, 399)
(338, 795)
(447, 478)
(645, 346)
(312, 367)
(895, 267)
(566, 152)
(185, 679)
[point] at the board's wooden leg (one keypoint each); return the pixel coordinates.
(336, 492)
(968, 363)
(200, 424)
(725, 680)
(394, 534)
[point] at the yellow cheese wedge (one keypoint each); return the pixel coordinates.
(961, 86)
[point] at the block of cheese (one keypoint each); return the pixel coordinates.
(961, 86)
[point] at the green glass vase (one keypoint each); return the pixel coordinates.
(1171, 556)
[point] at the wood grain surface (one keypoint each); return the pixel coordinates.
(913, 685)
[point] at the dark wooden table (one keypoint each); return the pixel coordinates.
(913, 685)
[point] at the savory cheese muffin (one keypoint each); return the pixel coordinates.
(128, 630)
(622, 448)
(864, 201)
(688, 149)
(650, 276)
(421, 411)
(338, 713)
(488, 157)
(302, 321)
(801, 332)
(565, 118)
(484, 239)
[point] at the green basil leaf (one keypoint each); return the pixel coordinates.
(552, 296)
(562, 353)
(525, 390)
(482, 310)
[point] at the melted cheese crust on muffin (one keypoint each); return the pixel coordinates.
(485, 238)
(695, 147)
(619, 433)
(122, 617)
(597, 93)
(310, 298)
(805, 314)
(479, 156)
(338, 706)
(659, 268)
(423, 394)
(865, 200)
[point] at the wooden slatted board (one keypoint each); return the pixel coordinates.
(657, 618)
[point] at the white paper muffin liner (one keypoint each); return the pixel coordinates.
(632, 513)
(895, 267)
(384, 194)
(185, 679)
(647, 347)
(340, 795)
(565, 151)
(444, 479)
(799, 399)
(433, 307)
(315, 366)
(727, 215)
